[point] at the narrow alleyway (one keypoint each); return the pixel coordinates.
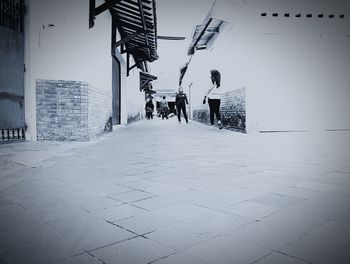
(160, 192)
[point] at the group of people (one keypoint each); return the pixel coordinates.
(212, 95)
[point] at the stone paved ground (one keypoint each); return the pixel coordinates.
(159, 192)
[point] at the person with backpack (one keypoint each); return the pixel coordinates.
(214, 97)
(163, 105)
(149, 109)
(180, 102)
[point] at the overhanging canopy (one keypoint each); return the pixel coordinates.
(136, 22)
(204, 32)
(145, 81)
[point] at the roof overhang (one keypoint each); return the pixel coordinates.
(183, 70)
(205, 32)
(136, 22)
(145, 81)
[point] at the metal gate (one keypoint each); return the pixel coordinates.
(12, 122)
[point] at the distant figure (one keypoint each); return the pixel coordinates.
(149, 109)
(214, 98)
(181, 101)
(163, 105)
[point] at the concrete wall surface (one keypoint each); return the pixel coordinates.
(295, 69)
(135, 99)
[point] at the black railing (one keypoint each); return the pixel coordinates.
(13, 134)
(12, 14)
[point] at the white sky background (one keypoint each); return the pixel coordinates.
(175, 18)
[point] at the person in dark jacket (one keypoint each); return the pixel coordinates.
(181, 101)
(164, 108)
(149, 109)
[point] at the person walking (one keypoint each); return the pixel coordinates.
(149, 109)
(163, 105)
(181, 101)
(214, 98)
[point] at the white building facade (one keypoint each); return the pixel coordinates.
(287, 62)
(71, 79)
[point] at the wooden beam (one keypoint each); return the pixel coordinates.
(130, 21)
(133, 66)
(144, 25)
(122, 49)
(92, 4)
(127, 63)
(114, 34)
(105, 6)
(131, 12)
(130, 8)
(123, 19)
(136, 4)
(213, 30)
(131, 26)
(202, 33)
(171, 38)
(126, 39)
(95, 11)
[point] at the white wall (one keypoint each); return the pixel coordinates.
(67, 51)
(295, 70)
(135, 99)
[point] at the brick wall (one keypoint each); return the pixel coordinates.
(232, 110)
(70, 110)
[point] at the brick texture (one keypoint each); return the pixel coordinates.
(70, 110)
(232, 110)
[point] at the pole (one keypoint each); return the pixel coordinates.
(190, 101)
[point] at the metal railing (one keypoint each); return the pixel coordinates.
(13, 134)
(12, 14)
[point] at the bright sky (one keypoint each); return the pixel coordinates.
(175, 18)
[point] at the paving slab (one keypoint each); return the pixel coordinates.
(160, 192)
(133, 251)
(178, 258)
(278, 258)
(315, 250)
(266, 235)
(224, 250)
(46, 251)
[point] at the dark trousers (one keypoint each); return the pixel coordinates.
(214, 107)
(181, 107)
(164, 113)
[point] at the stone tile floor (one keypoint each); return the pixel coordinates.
(159, 192)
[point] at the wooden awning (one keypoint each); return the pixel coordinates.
(204, 32)
(183, 70)
(136, 22)
(145, 81)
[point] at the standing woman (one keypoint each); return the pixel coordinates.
(181, 102)
(214, 97)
